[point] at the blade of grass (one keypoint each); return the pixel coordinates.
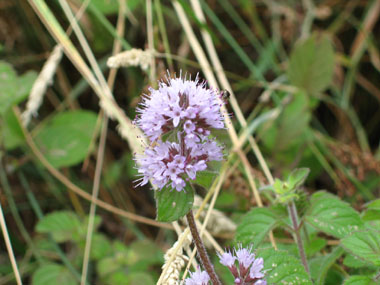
(8, 245)
(37, 210)
(232, 42)
(72, 187)
(16, 215)
(164, 36)
(101, 150)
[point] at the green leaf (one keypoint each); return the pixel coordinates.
(256, 224)
(63, 225)
(66, 137)
(172, 205)
(13, 88)
(354, 262)
(315, 245)
(311, 64)
(359, 280)
(325, 263)
(282, 268)
(53, 274)
(298, 177)
(374, 205)
(289, 128)
(207, 177)
(100, 246)
(11, 131)
(332, 216)
(365, 245)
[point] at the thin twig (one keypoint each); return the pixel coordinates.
(101, 150)
(95, 192)
(71, 186)
(9, 247)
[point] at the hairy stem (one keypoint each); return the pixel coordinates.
(294, 218)
(202, 250)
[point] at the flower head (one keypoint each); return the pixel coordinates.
(198, 278)
(180, 103)
(227, 259)
(171, 163)
(244, 256)
(257, 266)
(250, 268)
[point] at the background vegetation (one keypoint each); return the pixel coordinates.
(303, 78)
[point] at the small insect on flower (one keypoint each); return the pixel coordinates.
(226, 95)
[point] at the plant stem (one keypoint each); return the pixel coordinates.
(294, 218)
(377, 277)
(201, 249)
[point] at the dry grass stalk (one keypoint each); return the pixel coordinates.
(175, 266)
(44, 79)
(133, 57)
(218, 222)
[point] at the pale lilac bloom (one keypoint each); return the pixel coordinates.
(172, 164)
(249, 269)
(180, 103)
(257, 266)
(244, 256)
(227, 259)
(198, 278)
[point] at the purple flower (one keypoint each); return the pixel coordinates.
(171, 163)
(249, 270)
(198, 278)
(244, 256)
(180, 103)
(227, 259)
(257, 266)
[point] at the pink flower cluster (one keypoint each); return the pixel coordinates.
(188, 111)
(248, 271)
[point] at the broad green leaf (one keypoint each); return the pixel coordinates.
(311, 64)
(100, 246)
(172, 205)
(288, 129)
(354, 262)
(282, 268)
(205, 178)
(53, 274)
(11, 132)
(66, 137)
(315, 245)
(359, 280)
(63, 225)
(332, 216)
(107, 266)
(327, 262)
(13, 88)
(365, 245)
(297, 177)
(374, 205)
(256, 224)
